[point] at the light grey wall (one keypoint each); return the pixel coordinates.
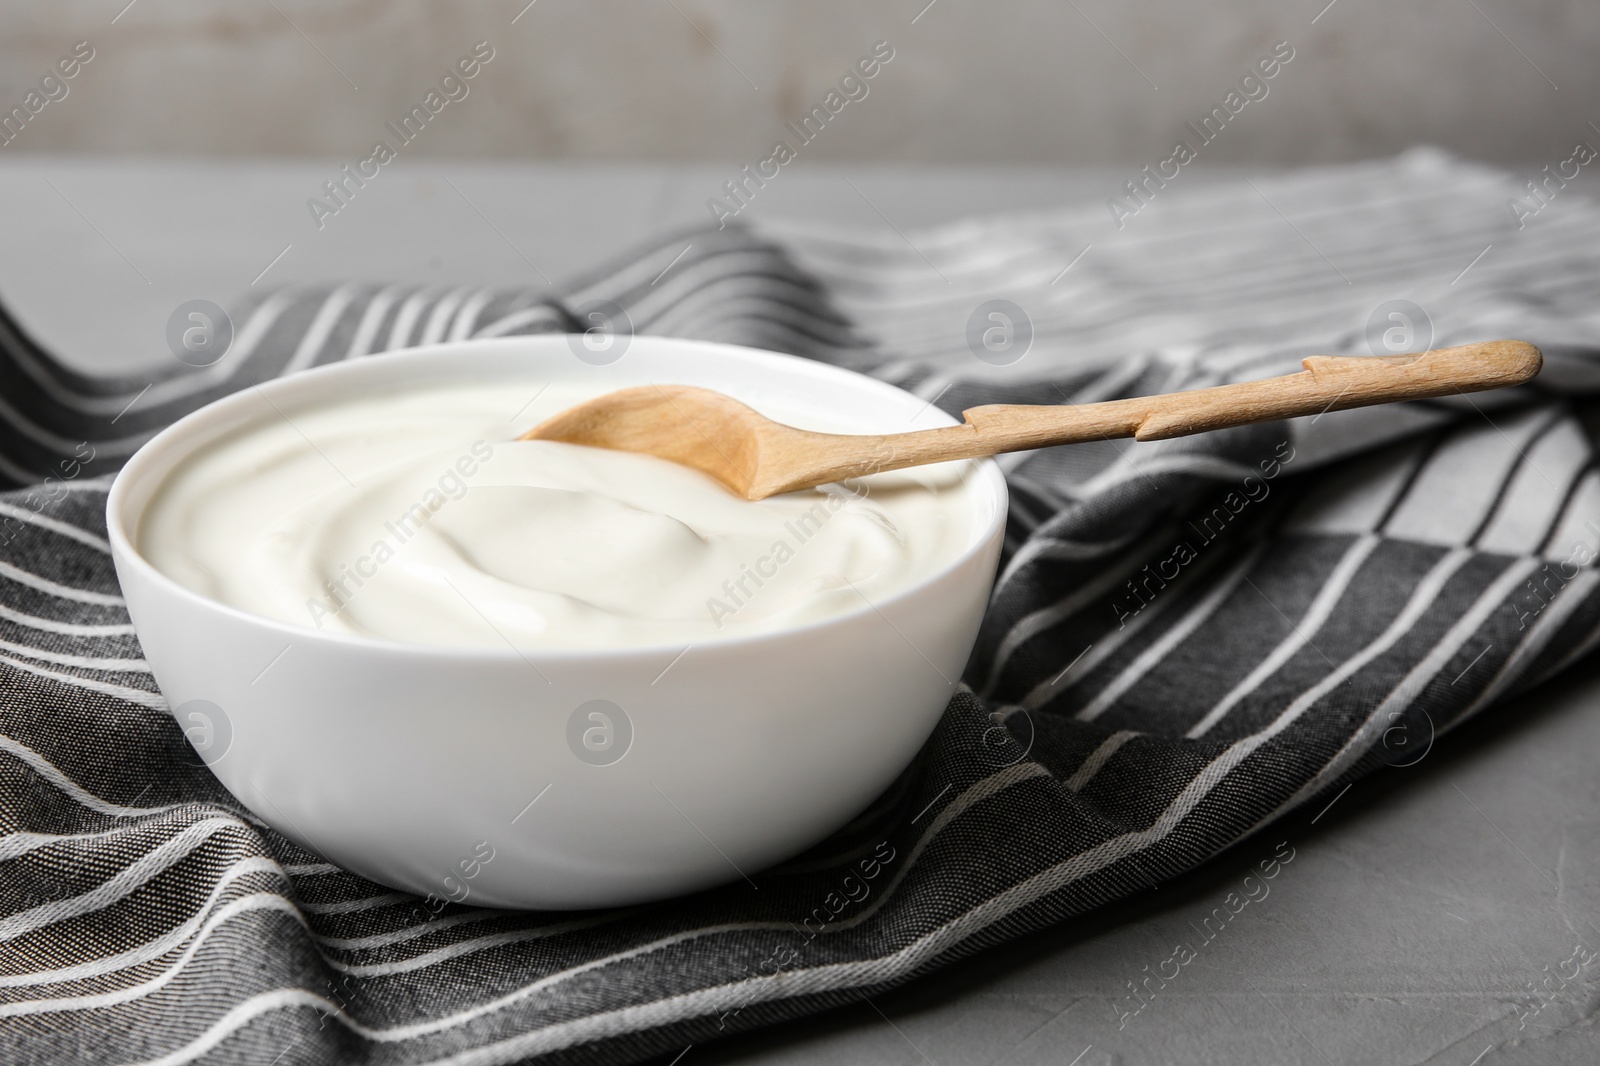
(992, 81)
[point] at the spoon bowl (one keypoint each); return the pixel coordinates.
(755, 457)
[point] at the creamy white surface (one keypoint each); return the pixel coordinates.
(304, 518)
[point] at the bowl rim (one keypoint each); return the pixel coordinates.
(125, 553)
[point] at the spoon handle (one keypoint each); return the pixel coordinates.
(1328, 383)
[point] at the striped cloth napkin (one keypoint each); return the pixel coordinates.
(1188, 639)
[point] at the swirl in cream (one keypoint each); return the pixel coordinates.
(415, 516)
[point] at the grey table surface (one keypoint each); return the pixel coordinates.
(1421, 907)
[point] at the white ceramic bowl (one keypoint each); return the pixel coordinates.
(411, 764)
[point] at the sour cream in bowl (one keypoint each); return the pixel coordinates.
(417, 641)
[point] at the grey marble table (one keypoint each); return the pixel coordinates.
(1420, 906)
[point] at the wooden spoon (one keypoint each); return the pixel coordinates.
(756, 457)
